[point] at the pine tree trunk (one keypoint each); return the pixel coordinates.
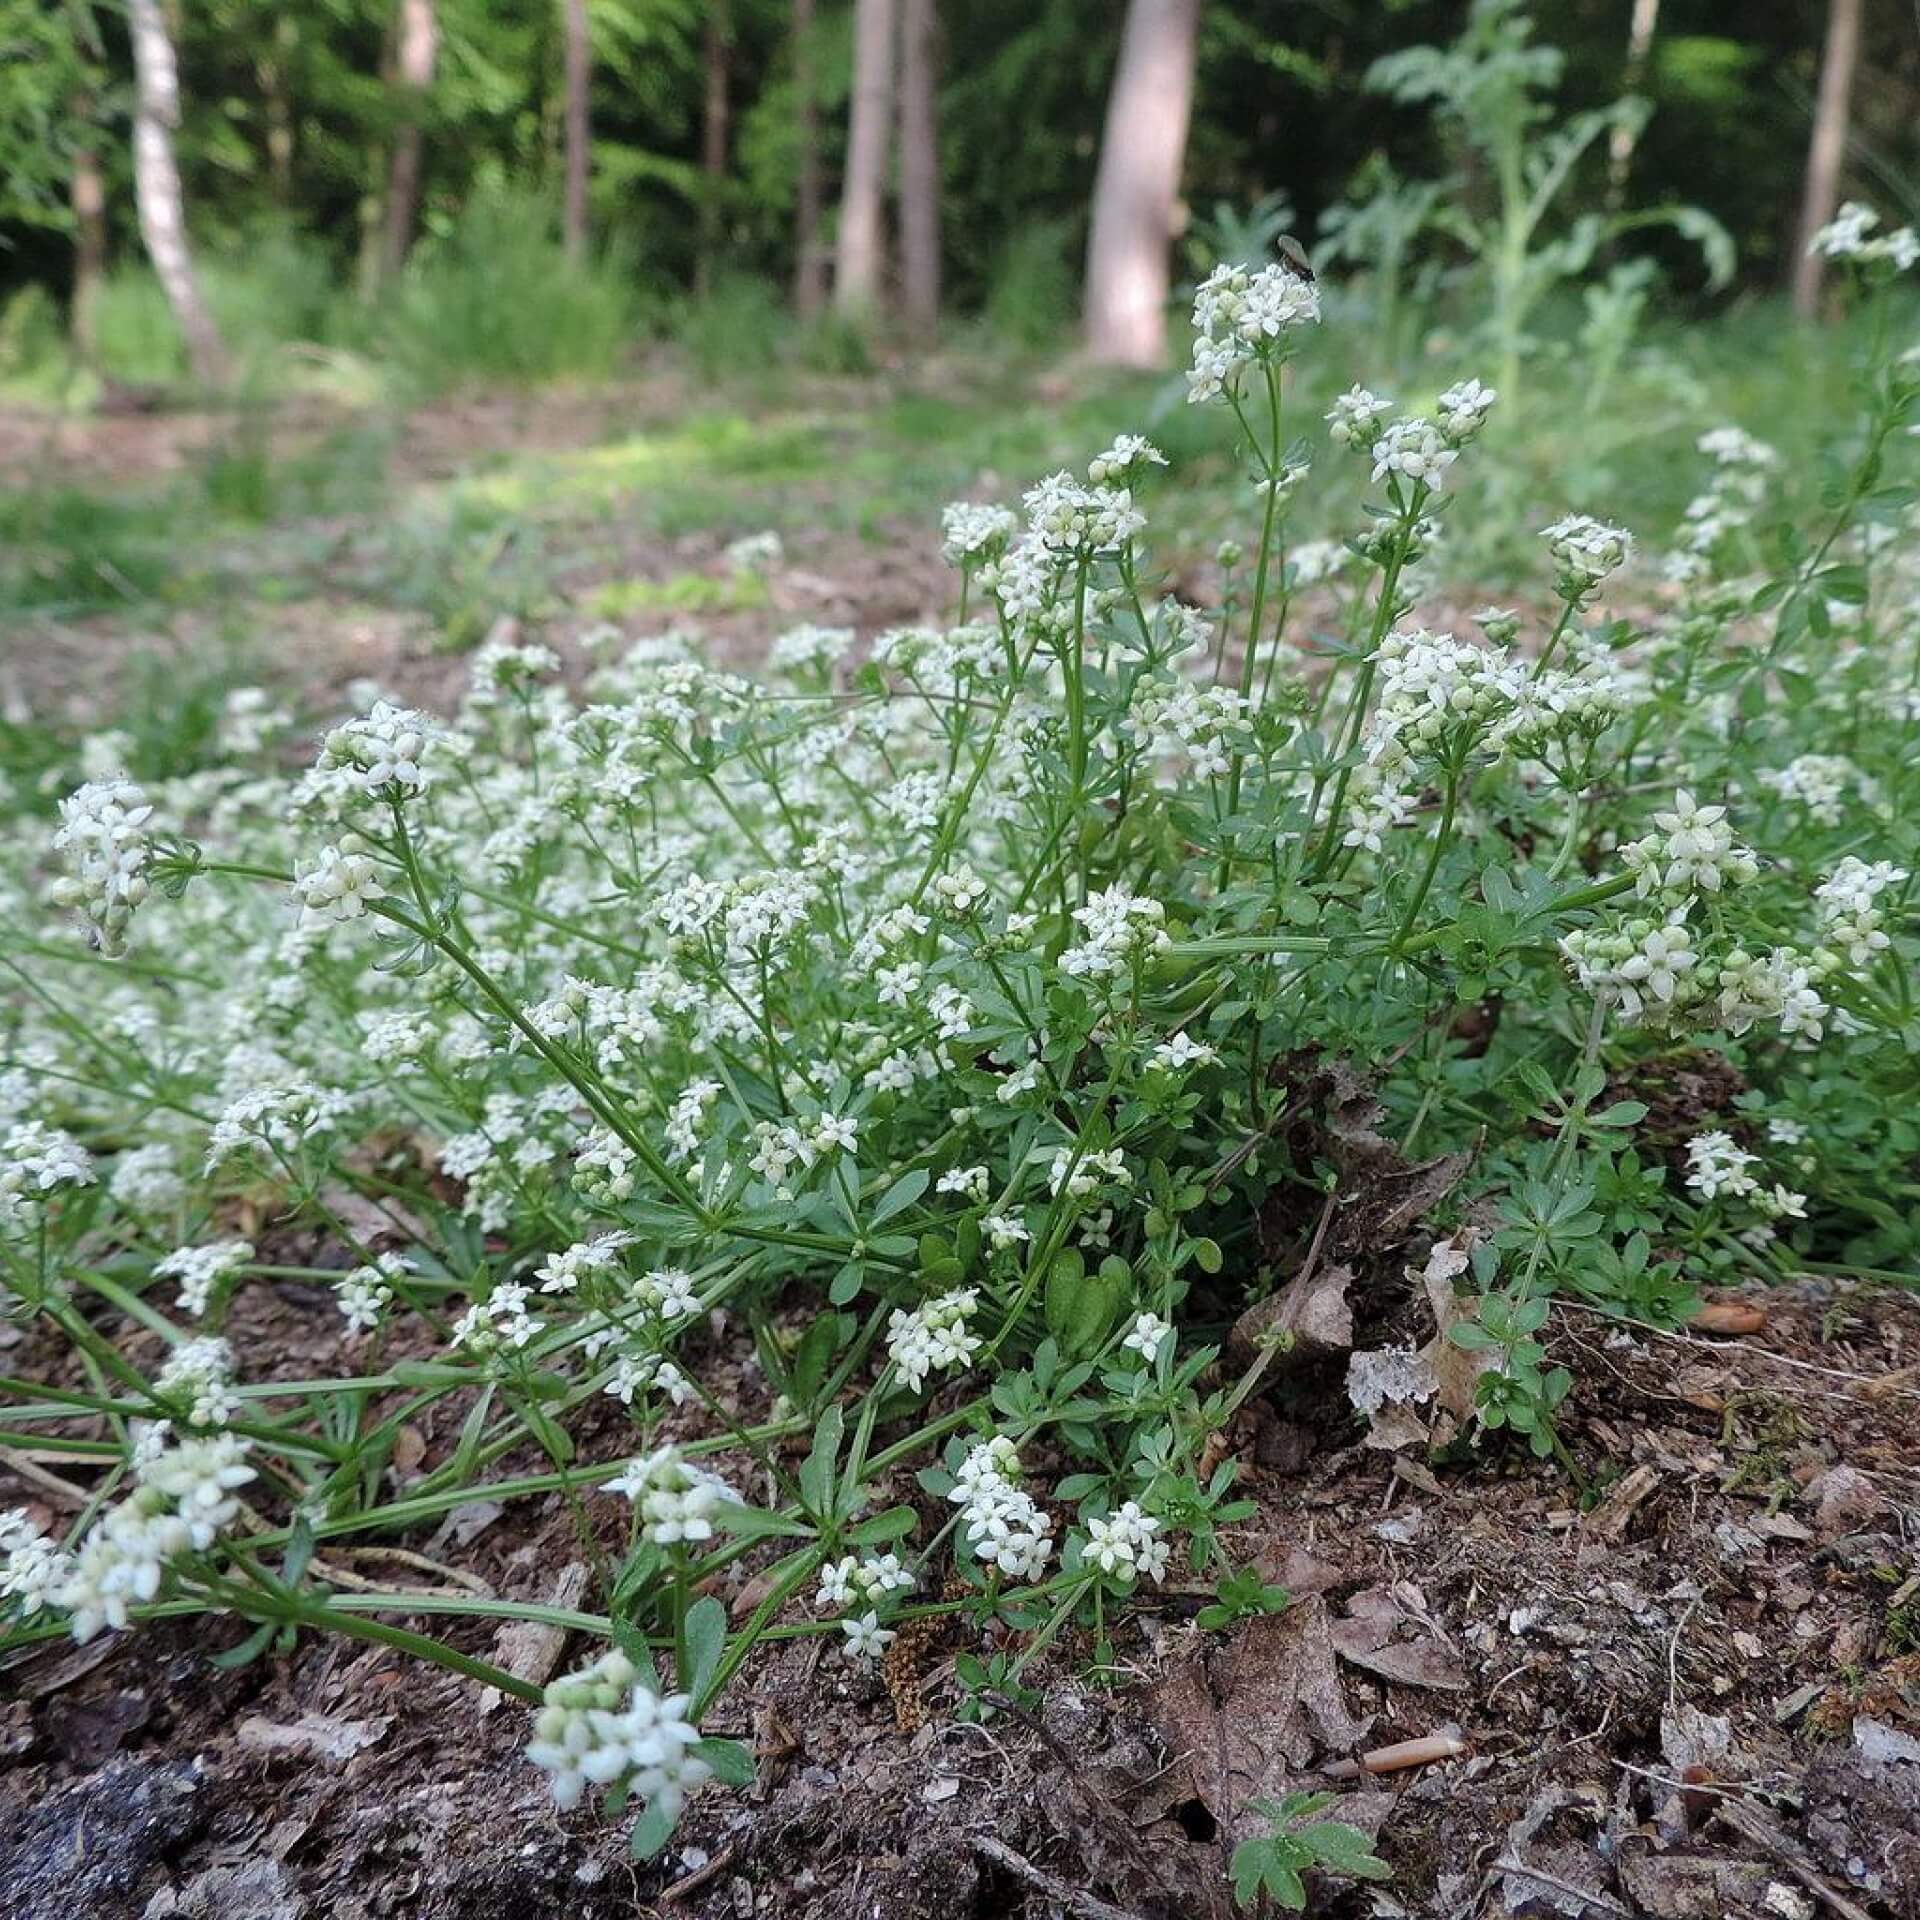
(809, 263)
(919, 169)
(156, 184)
(1827, 149)
(579, 129)
(713, 143)
(419, 53)
(1137, 187)
(89, 201)
(858, 260)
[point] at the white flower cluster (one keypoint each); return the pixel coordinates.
(755, 553)
(1069, 519)
(363, 1294)
(103, 833)
(674, 1501)
(1172, 715)
(1850, 235)
(1717, 1166)
(1438, 695)
(339, 886)
(272, 1122)
(853, 1582)
(1000, 1521)
(146, 1180)
(1586, 551)
(1116, 926)
(379, 756)
(200, 1270)
(1820, 782)
(810, 649)
(499, 1322)
(934, 1337)
(973, 533)
(1127, 1543)
(1850, 912)
(1694, 851)
(1241, 316)
(198, 1376)
(36, 1161)
(32, 1567)
(184, 1502)
(1085, 1174)
(1729, 502)
(1354, 420)
(1125, 463)
(603, 1726)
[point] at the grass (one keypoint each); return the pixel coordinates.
(248, 523)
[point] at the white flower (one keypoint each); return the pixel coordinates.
(1124, 1543)
(674, 1500)
(1004, 1232)
(1181, 1051)
(381, 755)
(1351, 421)
(934, 1337)
(867, 1639)
(1463, 410)
(199, 1376)
(1415, 450)
(999, 1520)
(1716, 1165)
(970, 1181)
(1146, 1334)
(103, 833)
(601, 1726)
(36, 1161)
(364, 1293)
(1586, 551)
(339, 887)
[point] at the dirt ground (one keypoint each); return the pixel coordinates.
(1701, 1697)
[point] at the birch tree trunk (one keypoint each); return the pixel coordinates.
(809, 263)
(573, 230)
(1641, 27)
(919, 168)
(418, 54)
(156, 186)
(1137, 187)
(1827, 149)
(859, 257)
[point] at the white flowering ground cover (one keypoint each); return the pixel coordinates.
(929, 1019)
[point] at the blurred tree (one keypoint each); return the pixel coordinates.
(809, 262)
(1137, 188)
(1827, 149)
(919, 169)
(579, 128)
(415, 58)
(860, 255)
(163, 220)
(716, 43)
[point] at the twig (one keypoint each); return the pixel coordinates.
(692, 1882)
(1605, 1902)
(1089, 1905)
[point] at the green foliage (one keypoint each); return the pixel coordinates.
(1273, 1865)
(1490, 86)
(1033, 293)
(494, 298)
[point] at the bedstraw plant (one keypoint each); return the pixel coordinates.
(859, 1086)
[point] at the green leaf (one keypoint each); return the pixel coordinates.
(894, 1524)
(705, 1634)
(652, 1830)
(817, 1471)
(731, 1762)
(901, 1195)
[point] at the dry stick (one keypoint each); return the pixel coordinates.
(1090, 1905)
(1605, 1902)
